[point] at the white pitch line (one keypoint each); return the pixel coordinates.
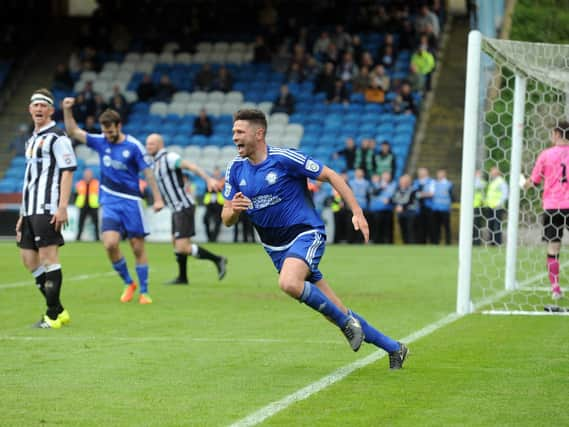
(338, 375)
(73, 279)
(54, 337)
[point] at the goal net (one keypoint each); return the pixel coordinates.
(516, 93)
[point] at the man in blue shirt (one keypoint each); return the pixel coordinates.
(269, 185)
(123, 158)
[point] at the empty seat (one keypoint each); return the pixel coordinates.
(166, 58)
(182, 96)
(192, 152)
(204, 46)
(183, 58)
(221, 46)
(234, 96)
(294, 129)
(132, 57)
(216, 96)
(159, 108)
(149, 57)
(178, 108)
(213, 108)
(278, 118)
(199, 96)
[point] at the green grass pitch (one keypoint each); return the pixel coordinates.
(212, 353)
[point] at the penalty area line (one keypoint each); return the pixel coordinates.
(273, 408)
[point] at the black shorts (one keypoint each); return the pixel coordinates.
(37, 232)
(554, 222)
(183, 226)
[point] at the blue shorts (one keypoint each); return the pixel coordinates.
(308, 246)
(125, 216)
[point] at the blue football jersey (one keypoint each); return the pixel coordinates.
(120, 166)
(281, 204)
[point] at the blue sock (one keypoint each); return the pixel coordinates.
(315, 298)
(142, 273)
(373, 336)
(121, 268)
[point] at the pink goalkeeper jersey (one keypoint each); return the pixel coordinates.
(552, 166)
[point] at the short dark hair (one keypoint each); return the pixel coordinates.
(252, 115)
(563, 129)
(109, 117)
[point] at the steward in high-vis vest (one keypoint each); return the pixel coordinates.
(478, 205)
(495, 204)
(87, 200)
(213, 202)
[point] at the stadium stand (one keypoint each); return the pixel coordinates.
(316, 126)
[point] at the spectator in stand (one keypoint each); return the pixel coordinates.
(325, 80)
(91, 125)
(347, 69)
(284, 103)
(80, 108)
(406, 206)
(205, 78)
(165, 89)
(312, 69)
(332, 54)
(62, 79)
(426, 17)
(424, 61)
(146, 89)
(99, 105)
(424, 186)
(427, 38)
(381, 191)
(388, 50)
(365, 157)
(374, 93)
(357, 48)
(366, 60)
(416, 80)
(380, 76)
(348, 153)
(361, 81)
(119, 104)
(300, 57)
(385, 160)
(341, 39)
(388, 58)
(442, 205)
(294, 74)
(407, 36)
(117, 91)
(321, 45)
(404, 102)
(88, 94)
(339, 93)
(360, 187)
(261, 52)
(203, 124)
(224, 80)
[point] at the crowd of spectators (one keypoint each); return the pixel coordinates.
(419, 207)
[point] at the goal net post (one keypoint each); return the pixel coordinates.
(516, 93)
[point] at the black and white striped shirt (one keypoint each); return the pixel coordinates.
(48, 153)
(170, 180)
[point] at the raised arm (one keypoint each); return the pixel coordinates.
(74, 131)
(337, 182)
(212, 184)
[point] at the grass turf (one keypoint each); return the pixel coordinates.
(213, 352)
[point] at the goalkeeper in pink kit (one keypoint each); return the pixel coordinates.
(551, 170)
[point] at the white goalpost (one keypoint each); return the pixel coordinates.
(516, 92)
